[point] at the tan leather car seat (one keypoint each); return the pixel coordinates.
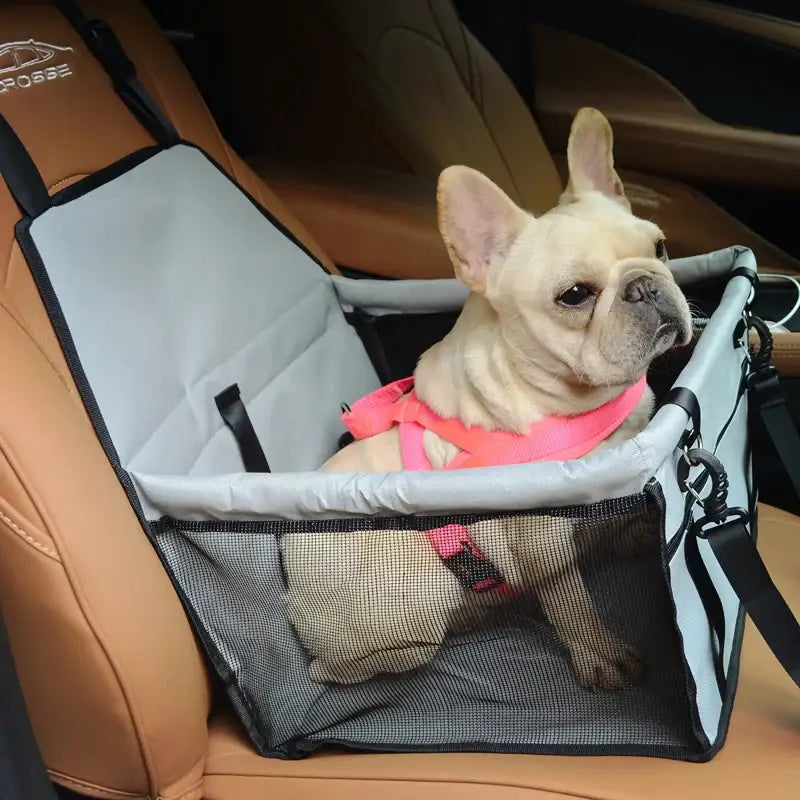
(116, 687)
(405, 86)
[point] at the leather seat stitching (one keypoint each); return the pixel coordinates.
(77, 176)
(14, 315)
(478, 99)
(60, 778)
(479, 79)
(189, 793)
(7, 276)
(28, 538)
(503, 784)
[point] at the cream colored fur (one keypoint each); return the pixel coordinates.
(518, 352)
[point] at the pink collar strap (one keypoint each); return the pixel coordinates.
(550, 439)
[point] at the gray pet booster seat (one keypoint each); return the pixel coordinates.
(214, 354)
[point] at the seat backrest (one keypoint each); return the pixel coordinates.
(396, 85)
(115, 684)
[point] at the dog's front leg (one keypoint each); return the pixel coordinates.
(366, 603)
(549, 565)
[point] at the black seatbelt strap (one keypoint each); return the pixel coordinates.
(22, 772)
(769, 400)
(20, 173)
(106, 48)
(232, 410)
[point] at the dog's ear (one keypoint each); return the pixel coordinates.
(478, 221)
(590, 156)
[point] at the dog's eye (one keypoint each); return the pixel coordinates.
(661, 250)
(576, 295)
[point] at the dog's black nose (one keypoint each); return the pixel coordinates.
(642, 289)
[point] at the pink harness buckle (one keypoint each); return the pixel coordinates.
(459, 553)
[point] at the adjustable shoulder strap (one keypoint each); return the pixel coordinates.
(106, 48)
(728, 536)
(740, 561)
(20, 173)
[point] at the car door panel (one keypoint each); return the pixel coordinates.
(657, 128)
(735, 72)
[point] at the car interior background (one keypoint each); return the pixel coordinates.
(345, 112)
(706, 144)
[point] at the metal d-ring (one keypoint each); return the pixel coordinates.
(687, 484)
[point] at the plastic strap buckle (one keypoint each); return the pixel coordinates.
(472, 570)
(766, 388)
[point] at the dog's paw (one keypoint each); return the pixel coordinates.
(608, 666)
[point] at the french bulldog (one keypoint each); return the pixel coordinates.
(565, 312)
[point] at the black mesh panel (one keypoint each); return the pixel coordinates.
(500, 679)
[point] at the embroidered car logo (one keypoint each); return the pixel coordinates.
(18, 56)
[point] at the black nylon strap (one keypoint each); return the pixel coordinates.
(364, 324)
(766, 390)
(711, 603)
(232, 410)
(744, 569)
(106, 48)
(746, 272)
(20, 173)
(730, 541)
(687, 400)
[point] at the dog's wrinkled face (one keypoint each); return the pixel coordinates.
(582, 291)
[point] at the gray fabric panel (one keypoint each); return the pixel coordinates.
(392, 297)
(724, 374)
(174, 286)
(613, 473)
(710, 265)
(714, 374)
(427, 296)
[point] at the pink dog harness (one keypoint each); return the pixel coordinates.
(550, 439)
